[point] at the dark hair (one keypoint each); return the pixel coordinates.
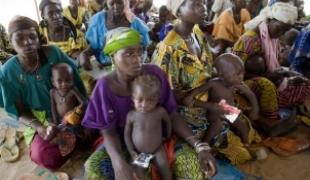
(62, 65)
(147, 82)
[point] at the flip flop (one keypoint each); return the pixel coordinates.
(9, 150)
(286, 146)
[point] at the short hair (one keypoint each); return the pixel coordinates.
(148, 82)
(58, 66)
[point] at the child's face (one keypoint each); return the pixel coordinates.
(144, 101)
(234, 76)
(62, 80)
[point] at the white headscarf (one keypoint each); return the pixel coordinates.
(174, 5)
(284, 12)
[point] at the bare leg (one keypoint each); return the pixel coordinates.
(161, 162)
(244, 129)
(216, 125)
(140, 172)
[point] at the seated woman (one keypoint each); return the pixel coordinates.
(25, 84)
(59, 31)
(229, 25)
(299, 58)
(77, 15)
(110, 103)
(118, 14)
(186, 58)
(263, 41)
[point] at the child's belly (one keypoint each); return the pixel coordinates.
(147, 140)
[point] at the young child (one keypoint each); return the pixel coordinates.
(148, 124)
(230, 71)
(66, 101)
(286, 43)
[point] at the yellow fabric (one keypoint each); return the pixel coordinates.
(77, 22)
(227, 29)
(71, 45)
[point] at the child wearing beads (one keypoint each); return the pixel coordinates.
(147, 124)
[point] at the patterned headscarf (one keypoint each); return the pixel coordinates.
(120, 38)
(284, 12)
(174, 6)
(21, 23)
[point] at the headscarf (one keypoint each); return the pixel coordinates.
(44, 3)
(120, 38)
(174, 6)
(21, 23)
(284, 12)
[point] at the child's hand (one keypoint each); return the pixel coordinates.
(188, 101)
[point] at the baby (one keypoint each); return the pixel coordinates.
(66, 101)
(148, 124)
(230, 71)
(286, 43)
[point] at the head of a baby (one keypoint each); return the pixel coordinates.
(145, 92)
(230, 68)
(62, 77)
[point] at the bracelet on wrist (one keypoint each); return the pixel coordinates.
(201, 146)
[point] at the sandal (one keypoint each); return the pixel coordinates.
(286, 146)
(9, 150)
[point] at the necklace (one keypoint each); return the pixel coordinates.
(33, 70)
(62, 97)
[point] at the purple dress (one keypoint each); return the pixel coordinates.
(107, 110)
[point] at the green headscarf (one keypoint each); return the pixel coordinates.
(120, 38)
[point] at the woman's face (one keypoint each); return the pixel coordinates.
(129, 60)
(25, 42)
(193, 11)
(239, 4)
(53, 14)
(116, 6)
(277, 28)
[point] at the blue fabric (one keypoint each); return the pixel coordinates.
(301, 51)
(96, 32)
(164, 29)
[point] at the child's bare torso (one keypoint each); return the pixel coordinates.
(65, 103)
(147, 130)
(219, 91)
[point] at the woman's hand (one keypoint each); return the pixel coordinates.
(124, 171)
(207, 163)
(46, 133)
(84, 61)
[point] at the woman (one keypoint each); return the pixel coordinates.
(263, 41)
(118, 14)
(25, 84)
(299, 58)
(229, 25)
(59, 31)
(76, 14)
(110, 103)
(187, 60)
